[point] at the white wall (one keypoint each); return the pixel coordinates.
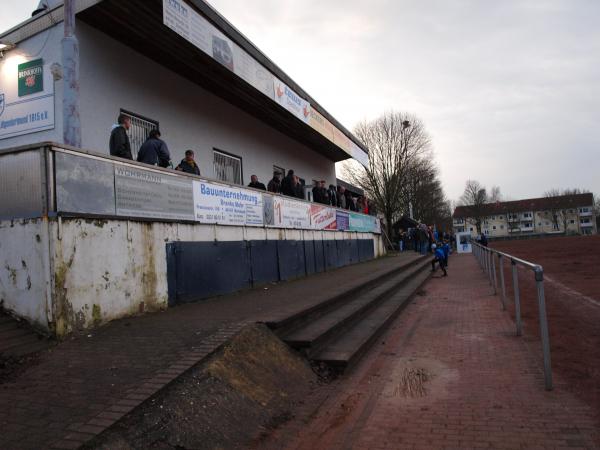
(24, 269)
(113, 76)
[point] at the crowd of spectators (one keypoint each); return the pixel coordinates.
(154, 151)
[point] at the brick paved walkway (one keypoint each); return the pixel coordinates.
(85, 384)
(484, 385)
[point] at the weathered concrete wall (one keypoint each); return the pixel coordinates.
(107, 269)
(24, 269)
(100, 270)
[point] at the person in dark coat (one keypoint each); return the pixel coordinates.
(350, 202)
(332, 192)
(119, 141)
(287, 184)
(320, 194)
(254, 183)
(275, 183)
(341, 197)
(188, 164)
(154, 151)
(298, 188)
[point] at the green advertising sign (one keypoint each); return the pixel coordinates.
(31, 77)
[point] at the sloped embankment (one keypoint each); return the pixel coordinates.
(247, 387)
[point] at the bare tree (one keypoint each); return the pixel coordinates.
(395, 141)
(495, 195)
(474, 199)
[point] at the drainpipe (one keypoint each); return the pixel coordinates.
(70, 63)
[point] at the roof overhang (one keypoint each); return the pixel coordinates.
(139, 25)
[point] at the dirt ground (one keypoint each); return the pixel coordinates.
(572, 289)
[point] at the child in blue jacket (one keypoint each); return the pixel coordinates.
(446, 250)
(439, 257)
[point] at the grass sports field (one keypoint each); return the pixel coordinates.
(572, 287)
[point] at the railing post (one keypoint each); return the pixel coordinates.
(503, 288)
(515, 276)
(539, 281)
(494, 281)
(489, 259)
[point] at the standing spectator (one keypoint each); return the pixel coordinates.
(483, 240)
(275, 183)
(254, 183)
(154, 151)
(341, 197)
(188, 164)
(119, 141)
(332, 193)
(298, 188)
(353, 204)
(287, 184)
(349, 201)
(320, 194)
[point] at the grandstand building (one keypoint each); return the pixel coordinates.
(570, 214)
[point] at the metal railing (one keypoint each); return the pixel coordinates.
(486, 257)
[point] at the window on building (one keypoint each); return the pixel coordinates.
(584, 210)
(571, 221)
(494, 227)
(527, 215)
(471, 229)
(547, 223)
(501, 217)
(584, 220)
(227, 167)
(502, 227)
(139, 130)
(571, 211)
(493, 217)
(279, 170)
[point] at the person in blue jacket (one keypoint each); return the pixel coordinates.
(446, 250)
(439, 258)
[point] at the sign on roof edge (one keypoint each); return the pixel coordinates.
(185, 21)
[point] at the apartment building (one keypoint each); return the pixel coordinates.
(546, 215)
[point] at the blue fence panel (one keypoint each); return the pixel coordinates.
(319, 255)
(263, 262)
(291, 260)
(330, 254)
(205, 269)
(309, 257)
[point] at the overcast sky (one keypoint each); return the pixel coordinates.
(509, 91)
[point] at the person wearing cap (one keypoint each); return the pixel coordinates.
(275, 183)
(438, 254)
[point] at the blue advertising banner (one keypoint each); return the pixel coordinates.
(343, 220)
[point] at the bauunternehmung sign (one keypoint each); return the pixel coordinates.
(31, 77)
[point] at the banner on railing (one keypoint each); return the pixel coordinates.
(226, 205)
(323, 217)
(289, 213)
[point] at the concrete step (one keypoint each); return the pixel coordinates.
(291, 321)
(349, 346)
(310, 337)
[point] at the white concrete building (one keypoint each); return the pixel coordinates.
(554, 215)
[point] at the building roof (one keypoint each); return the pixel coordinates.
(139, 25)
(530, 204)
